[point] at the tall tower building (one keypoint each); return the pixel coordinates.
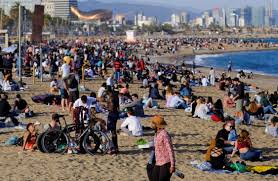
(59, 8)
(258, 16)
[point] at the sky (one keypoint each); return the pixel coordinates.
(197, 4)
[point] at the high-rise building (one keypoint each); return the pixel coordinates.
(28, 4)
(232, 17)
(184, 17)
(140, 20)
(222, 20)
(258, 16)
(241, 22)
(59, 8)
(268, 13)
(247, 13)
(216, 14)
(175, 19)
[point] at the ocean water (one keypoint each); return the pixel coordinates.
(260, 62)
(263, 40)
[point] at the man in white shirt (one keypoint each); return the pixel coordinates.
(212, 76)
(205, 81)
(84, 101)
(132, 125)
(177, 102)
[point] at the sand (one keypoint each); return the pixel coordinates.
(189, 137)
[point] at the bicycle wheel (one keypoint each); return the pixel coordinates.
(55, 141)
(95, 141)
(39, 142)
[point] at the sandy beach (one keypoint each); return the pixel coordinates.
(189, 135)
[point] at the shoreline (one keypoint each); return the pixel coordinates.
(186, 55)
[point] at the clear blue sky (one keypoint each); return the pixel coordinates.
(197, 4)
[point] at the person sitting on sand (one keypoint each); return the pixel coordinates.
(20, 105)
(132, 125)
(209, 104)
(217, 111)
(54, 123)
(264, 102)
(223, 134)
(177, 102)
(154, 92)
(201, 110)
(149, 102)
(255, 110)
(5, 109)
(272, 128)
(30, 137)
(204, 81)
(218, 155)
(228, 101)
(137, 106)
(273, 99)
(244, 145)
(185, 90)
(102, 92)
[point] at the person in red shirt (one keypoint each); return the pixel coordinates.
(117, 69)
(140, 68)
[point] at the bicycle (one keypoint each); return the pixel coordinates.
(90, 140)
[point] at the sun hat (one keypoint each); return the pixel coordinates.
(159, 121)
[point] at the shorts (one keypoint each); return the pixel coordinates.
(64, 94)
(73, 96)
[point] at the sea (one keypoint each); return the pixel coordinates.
(259, 62)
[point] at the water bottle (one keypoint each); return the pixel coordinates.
(179, 174)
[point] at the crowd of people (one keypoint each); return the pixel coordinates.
(166, 84)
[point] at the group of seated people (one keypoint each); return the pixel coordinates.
(9, 114)
(228, 143)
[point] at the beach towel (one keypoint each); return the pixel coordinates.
(264, 169)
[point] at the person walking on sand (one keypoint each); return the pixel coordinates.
(212, 76)
(164, 156)
(230, 66)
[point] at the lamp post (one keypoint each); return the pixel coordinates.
(19, 43)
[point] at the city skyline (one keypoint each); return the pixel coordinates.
(195, 4)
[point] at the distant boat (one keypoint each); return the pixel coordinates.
(99, 14)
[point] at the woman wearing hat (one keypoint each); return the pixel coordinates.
(164, 153)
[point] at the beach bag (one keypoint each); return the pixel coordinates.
(20, 141)
(215, 118)
(217, 157)
(239, 167)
